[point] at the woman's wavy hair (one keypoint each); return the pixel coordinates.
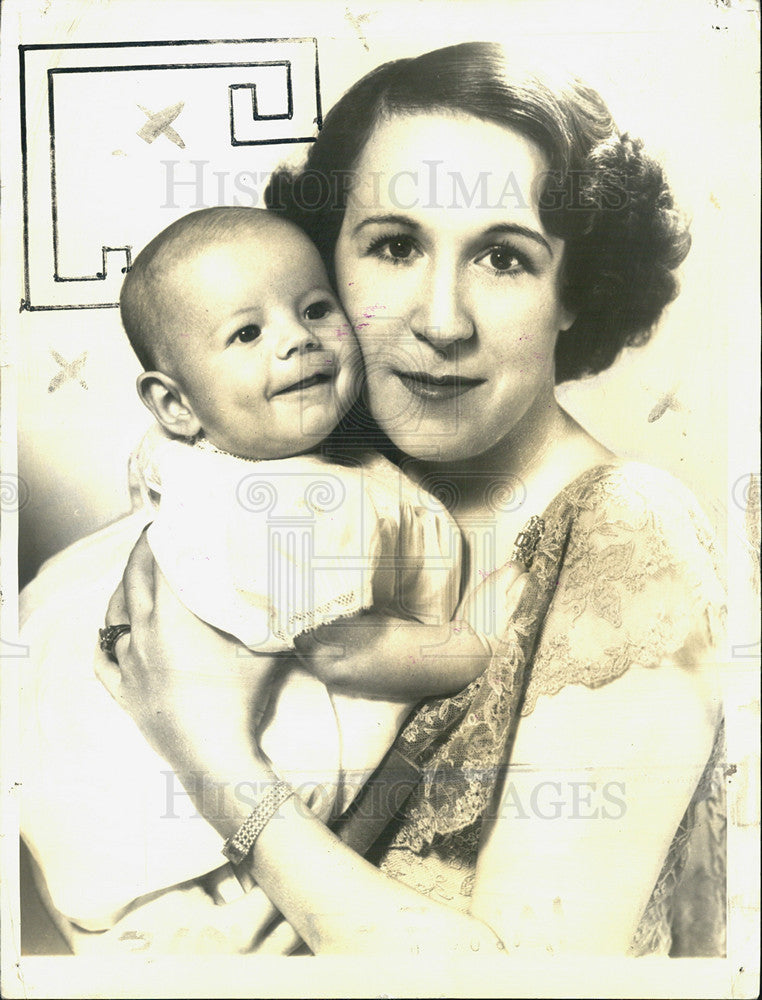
(602, 193)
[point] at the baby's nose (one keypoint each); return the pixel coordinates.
(293, 338)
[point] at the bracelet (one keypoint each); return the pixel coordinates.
(238, 846)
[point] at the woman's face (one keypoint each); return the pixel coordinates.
(452, 283)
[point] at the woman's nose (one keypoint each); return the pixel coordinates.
(294, 338)
(440, 313)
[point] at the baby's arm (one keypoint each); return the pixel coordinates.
(377, 656)
(374, 655)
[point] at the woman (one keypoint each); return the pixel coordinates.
(492, 234)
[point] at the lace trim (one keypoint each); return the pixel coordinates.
(447, 878)
(343, 606)
(559, 667)
(600, 577)
(204, 444)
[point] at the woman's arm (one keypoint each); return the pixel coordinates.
(547, 877)
(212, 755)
(338, 902)
(569, 855)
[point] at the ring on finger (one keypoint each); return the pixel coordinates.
(108, 637)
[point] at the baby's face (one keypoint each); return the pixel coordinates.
(260, 344)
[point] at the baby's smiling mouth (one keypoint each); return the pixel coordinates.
(319, 378)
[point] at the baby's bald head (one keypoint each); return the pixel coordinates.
(154, 288)
(243, 340)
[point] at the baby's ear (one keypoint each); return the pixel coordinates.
(168, 403)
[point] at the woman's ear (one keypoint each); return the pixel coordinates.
(566, 319)
(168, 403)
(566, 316)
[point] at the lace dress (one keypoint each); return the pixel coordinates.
(625, 570)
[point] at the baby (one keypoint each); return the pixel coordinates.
(249, 365)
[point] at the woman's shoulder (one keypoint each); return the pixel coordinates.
(634, 571)
(644, 522)
(631, 486)
(634, 502)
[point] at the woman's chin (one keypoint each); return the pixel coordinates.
(436, 445)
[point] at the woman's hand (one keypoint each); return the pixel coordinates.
(185, 920)
(195, 693)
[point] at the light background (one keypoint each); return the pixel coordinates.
(682, 80)
(683, 75)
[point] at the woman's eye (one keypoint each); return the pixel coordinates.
(504, 260)
(247, 333)
(397, 249)
(318, 310)
(400, 248)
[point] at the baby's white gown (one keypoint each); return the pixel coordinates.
(264, 550)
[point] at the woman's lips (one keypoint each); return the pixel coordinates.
(442, 387)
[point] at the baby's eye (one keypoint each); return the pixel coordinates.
(318, 310)
(247, 333)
